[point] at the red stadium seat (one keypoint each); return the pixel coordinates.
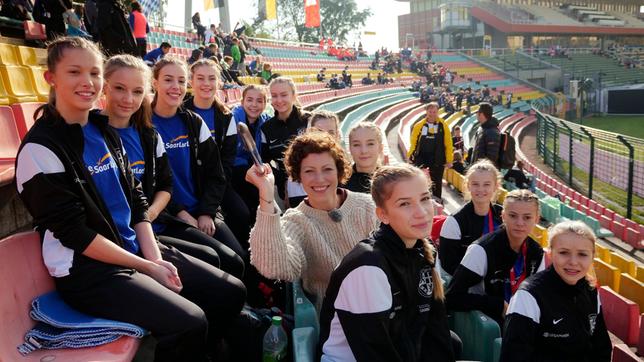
(621, 315)
(634, 238)
(9, 143)
(24, 113)
(621, 353)
(23, 276)
(640, 342)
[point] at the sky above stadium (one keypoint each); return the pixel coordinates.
(384, 21)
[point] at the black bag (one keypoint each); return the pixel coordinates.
(507, 153)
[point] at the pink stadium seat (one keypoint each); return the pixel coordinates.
(634, 238)
(621, 353)
(24, 114)
(609, 213)
(34, 30)
(640, 342)
(23, 276)
(618, 229)
(621, 315)
(9, 143)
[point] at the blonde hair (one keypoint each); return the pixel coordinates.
(288, 81)
(382, 184)
(522, 195)
(162, 63)
(260, 88)
(369, 126)
(483, 165)
(142, 118)
(578, 228)
(55, 52)
(324, 114)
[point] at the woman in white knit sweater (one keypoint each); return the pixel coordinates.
(309, 241)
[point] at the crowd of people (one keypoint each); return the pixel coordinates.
(153, 212)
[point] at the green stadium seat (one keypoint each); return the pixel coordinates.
(307, 327)
(497, 349)
(478, 333)
(567, 211)
(304, 344)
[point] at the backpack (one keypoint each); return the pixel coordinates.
(507, 153)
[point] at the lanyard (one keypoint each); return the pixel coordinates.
(490, 223)
(519, 269)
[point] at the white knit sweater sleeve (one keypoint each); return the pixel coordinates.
(275, 248)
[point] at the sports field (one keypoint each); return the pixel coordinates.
(628, 125)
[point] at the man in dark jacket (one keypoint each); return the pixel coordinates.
(487, 141)
(114, 30)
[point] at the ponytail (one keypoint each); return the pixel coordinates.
(429, 252)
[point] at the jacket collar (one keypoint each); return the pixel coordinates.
(394, 247)
(491, 123)
(564, 288)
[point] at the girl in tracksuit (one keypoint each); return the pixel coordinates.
(384, 301)
(278, 132)
(480, 216)
(128, 109)
(205, 76)
(495, 265)
(250, 112)
(366, 148)
(73, 176)
(199, 181)
(556, 315)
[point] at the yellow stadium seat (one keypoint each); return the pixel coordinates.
(41, 86)
(639, 273)
(502, 193)
(8, 54)
(603, 253)
(632, 289)
(624, 265)
(31, 56)
(607, 275)
(540, 234)
(17, 82)
(4, 97)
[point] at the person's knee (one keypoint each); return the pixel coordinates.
(236, 294)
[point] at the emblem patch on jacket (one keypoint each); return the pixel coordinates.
(592, 320)
(426, 284)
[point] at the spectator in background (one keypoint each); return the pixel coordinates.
(235, 53)
(457, 140)
(518, 176)
(89, 17)
(50, 13)
(114, 31)
(487, 141)
(201, 30)
(254, 66)
(321, 76)
(367, 80)
(508, 98)
(154, 55)
(140, 28)
(267, 73)
(74, 24)
(321, 45)
(16, 9)
(431, 147)
(230, 74)
(457, 163)
(196, 55)
(210, 51)
(210, 34)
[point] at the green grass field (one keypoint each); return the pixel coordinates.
(627, 125)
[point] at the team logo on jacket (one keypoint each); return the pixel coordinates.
(138, 167)
(104, 163)
(177, 142)
(426, 284)
(592, 320)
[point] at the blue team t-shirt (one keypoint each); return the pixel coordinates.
(132, 143)
(208, 115)
(175, 136)
(105, 174)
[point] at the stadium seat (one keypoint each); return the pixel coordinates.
(621, 353)
(307, 326)
(40, 85)
(607, 274)
(621, 315)
(8, 54)
(640, 342)
(603, 253)
(23, 276)
(18, 84)
(634, 238)
(304, 344)
(9, 143)
(639, 273)
(31, 56)
(478, 333)
(24, 114)
(4, 96)
(624, 265)
(34, 31)
(632, 289)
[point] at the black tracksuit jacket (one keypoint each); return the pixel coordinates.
(479, 282)
(382, 294)
(551, 321)
(58, 191)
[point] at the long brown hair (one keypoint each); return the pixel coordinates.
(159, 65)
(142, 118)
(382, 184)
(209, 63)
(55, 52)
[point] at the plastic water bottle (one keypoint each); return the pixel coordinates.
(275, 342)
